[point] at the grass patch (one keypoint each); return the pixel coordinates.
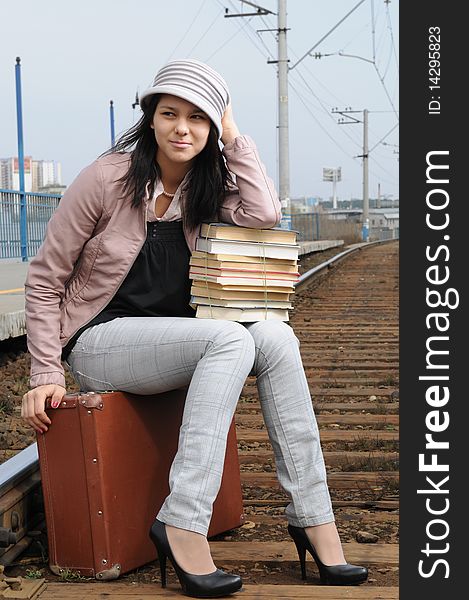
(389, 380)
(371, 464)
(390, 487)
(383, 406)
(361, 445)
(364, 444)
(71, 576)
(34, 573)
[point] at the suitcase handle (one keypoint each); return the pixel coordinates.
(87, 400)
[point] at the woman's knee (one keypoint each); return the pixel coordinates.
(235, 337)
(275, 344)
(272, 335)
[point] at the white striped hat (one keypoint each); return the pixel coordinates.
(195, 82)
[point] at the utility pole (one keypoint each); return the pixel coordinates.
(283, 134)
(347, 119)
(366, 198)
(282, 70)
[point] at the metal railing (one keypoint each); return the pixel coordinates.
(384, 233)
(315, 226)
(307, 225)
(23, 221)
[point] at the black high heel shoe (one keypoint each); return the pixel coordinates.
(212, 585)
(334, 574)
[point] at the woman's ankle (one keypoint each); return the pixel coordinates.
(190, 550)
(326, 541)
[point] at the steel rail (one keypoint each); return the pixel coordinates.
(308, 274)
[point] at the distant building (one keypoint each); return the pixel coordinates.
(37, 174)
(384, 222)
(385, 219)
(10, 173)
(304, 204)
(47, 172)
(358, 203)
(52, 189)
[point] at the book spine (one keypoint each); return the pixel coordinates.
(293, 276)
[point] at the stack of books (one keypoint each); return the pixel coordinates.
(242, 274)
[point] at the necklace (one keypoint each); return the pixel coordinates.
(167, 194)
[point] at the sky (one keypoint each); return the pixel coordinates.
(77, 56)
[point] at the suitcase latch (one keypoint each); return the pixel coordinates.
(91, 400)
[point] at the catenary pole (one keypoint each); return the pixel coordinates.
(366, 199)
(283, 134)
(282, 74)
(347, 120)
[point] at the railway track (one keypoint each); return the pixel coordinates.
(346, 317)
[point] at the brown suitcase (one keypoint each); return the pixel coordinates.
(104, 467)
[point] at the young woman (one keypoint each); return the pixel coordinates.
(108, 293)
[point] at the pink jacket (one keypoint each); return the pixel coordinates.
(93, 239)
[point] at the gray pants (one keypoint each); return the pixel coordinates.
(146, 355)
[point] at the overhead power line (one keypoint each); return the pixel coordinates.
(327, 110)
(185, 34)
(204, 34)
(245, 29)
(327, 34)
(227, 41)
(251, 33)
(386, 91)
(320, 125)
(392, 35)
(384, 137)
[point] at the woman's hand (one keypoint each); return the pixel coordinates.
(230, 129)
(34, 401)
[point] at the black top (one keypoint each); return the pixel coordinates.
(157, 284)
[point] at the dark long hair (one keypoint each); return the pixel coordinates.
(209, 180)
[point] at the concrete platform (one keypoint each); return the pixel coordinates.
(13, 275)
(12, 319)
(308, 247)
